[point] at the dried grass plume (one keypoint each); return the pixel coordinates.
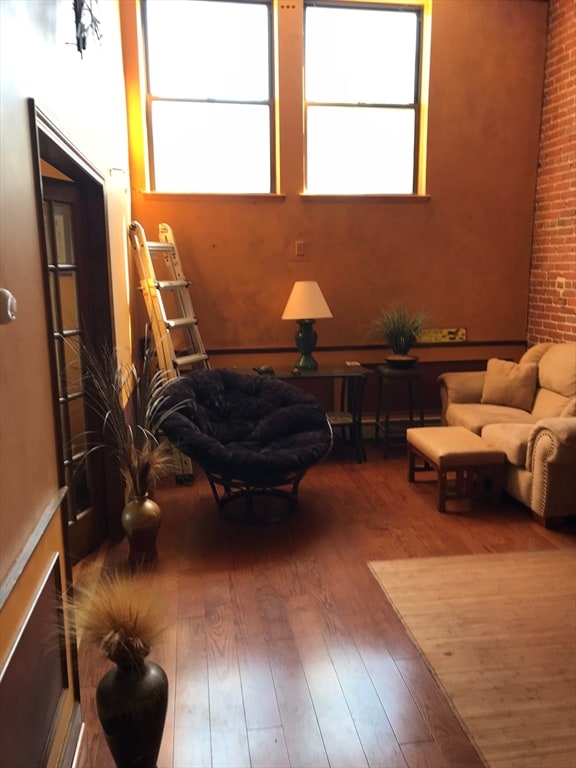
(120, 614)
(131, 408)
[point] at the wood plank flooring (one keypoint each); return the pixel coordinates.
(281, 648)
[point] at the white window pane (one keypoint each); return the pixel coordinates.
(211, 147)
(360, 56)
(353, 150)
(201, 49)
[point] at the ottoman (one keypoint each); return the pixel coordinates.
(455, 450)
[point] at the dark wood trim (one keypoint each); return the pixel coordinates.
(32, 541)
(34, 678)
(248, 351)
(60, 151)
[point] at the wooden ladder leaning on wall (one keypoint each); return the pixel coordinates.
(166, 292)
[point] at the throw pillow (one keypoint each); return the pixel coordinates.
(511, 384)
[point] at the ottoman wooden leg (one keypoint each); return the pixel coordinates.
(411, 464)
(473, 482)
(442, 479)
(497, 482)
(460, 483)
(460, 453)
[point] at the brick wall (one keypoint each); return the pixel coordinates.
(552, 305)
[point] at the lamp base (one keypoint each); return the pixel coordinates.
(306, 363)
(306, 338)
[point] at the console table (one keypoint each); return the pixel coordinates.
(388, 376)
(346, 422)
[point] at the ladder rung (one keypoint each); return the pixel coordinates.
(171, 285)
(181, 322)
(189, 359)
(160, 247)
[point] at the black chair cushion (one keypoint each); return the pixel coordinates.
(251, 428)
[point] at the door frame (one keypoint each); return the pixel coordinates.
(51, 145)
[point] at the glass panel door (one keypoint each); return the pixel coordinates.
(63, 232)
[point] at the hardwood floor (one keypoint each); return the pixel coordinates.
(281, 648)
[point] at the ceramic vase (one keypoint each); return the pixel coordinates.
(131, 701)
(141, 520)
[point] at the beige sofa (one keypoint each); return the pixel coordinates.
(528, 410)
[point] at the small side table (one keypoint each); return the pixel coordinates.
(388, 376)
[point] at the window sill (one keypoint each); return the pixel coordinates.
(280, 198)
(346, 198)
(224, 196)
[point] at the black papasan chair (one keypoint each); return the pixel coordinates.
(251, 435)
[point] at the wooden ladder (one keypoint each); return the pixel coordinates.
(166, 291)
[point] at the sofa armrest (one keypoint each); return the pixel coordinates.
(551, 458)
(552, 440)
(460, 387)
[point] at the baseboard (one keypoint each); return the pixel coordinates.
(71, 751)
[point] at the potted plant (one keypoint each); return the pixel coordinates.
(399, 328)
(121, 616)
(128, 403)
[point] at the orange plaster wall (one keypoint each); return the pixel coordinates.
(463, 255)
(84, 98)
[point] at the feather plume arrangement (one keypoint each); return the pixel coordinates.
(130, 407)
(120, 614)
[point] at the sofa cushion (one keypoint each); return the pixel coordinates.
(534, 354)
(548, 404)
(510, 438)
(475, 416)
(511, 384)
(557, 369)
(569, 408)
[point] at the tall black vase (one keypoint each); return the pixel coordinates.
(131, 700)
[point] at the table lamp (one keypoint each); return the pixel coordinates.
(304, 303)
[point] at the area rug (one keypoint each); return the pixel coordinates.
(498, 632)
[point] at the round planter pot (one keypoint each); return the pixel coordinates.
(141, 521)
(401, 361)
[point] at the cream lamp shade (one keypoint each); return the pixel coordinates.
(306, 304)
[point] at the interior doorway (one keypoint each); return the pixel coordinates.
(73, 233)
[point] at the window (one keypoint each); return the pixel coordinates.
(215, 114)
(361, 99)
(210, 101)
